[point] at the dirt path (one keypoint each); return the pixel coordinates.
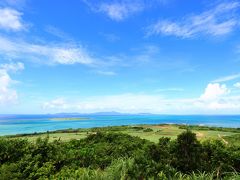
(200, 135)
(222, 139)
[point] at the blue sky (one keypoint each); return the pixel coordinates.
(155, 56)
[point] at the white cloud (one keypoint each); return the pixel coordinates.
(45, 53)
(7, 94)
(13, 3)
(216, 22)
(217, 98)
(214, 100)
(227, 78)
(139, 103)
(18, 66)
(149, 55)
(10, 19)
(214, 90)
(237, 85)
(58, 33)
(121, 103)
(222, 104)
(70, 55)
(106, 73)
(56, 104)
(120, 10)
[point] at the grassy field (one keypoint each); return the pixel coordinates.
(149, 132)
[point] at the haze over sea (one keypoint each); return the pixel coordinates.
(20, 124)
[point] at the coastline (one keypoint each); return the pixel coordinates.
(20, 124)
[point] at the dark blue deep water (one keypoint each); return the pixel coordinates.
(19, 124)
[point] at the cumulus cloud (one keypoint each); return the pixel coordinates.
(10, 19)
(237, 85)
(214, 90)
(222, 104)
(215, 22)
(7, 93)
(215, 99)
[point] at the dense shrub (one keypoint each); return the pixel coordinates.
(118, 156)
(187, 152)
(147, 130)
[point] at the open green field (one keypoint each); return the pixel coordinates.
(123, 152)
(149, 132)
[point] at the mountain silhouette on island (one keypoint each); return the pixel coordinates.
(110, 113)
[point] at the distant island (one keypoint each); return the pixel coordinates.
(110, 113)
(69, 118)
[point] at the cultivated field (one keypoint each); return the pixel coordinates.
(149, 132)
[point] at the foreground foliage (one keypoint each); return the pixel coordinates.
(119, 156)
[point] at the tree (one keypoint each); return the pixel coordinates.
(187, 152)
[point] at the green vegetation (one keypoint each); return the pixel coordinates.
(148, 132)
(122, 152)
(233, 139)
(207, 128)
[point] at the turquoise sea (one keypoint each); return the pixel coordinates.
(20, 124)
